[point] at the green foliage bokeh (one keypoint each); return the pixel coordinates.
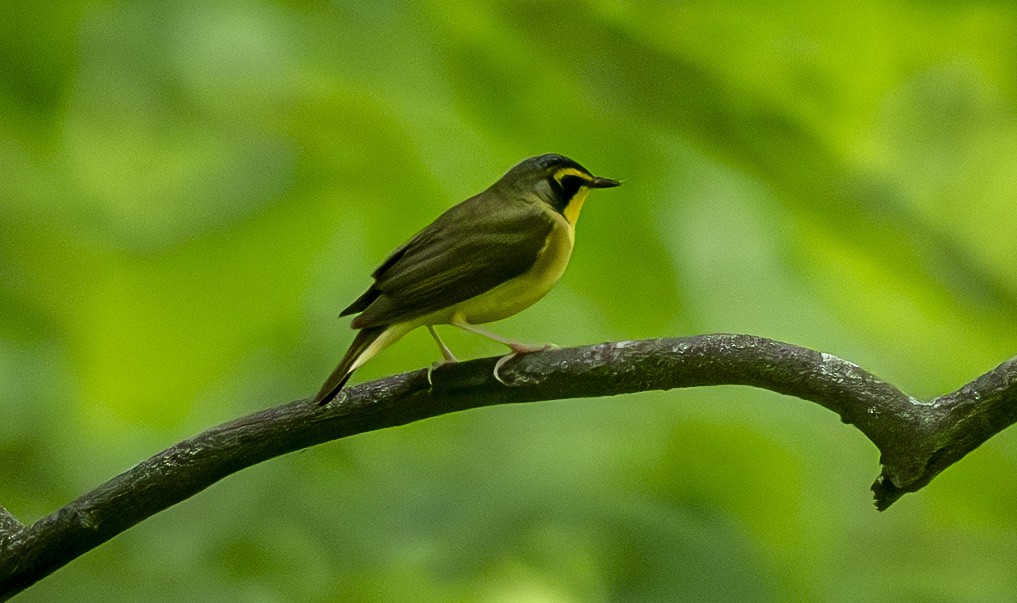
(193, 190)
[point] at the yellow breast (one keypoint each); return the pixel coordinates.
(521, 292)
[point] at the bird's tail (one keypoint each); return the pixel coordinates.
(343, 372)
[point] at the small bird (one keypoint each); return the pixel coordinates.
(487, 258)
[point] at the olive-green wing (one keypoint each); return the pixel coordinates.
(470, 249)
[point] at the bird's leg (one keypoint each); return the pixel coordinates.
(517, 348)
(446, 353)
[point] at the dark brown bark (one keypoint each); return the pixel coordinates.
(916, 439)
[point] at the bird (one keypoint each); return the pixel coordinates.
(485, 259)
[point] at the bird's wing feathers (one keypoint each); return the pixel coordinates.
(365, 300)
(468, 250)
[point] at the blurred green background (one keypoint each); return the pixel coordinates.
(191, 191)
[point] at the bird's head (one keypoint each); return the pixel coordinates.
(553, 179)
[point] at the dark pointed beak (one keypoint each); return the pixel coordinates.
(598, 182)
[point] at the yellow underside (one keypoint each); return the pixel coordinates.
(519, 293)
(508, 298)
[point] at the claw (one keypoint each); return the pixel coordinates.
(501, 362)
(435, 365)
(518, 349)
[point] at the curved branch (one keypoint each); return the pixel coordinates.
(916, 439)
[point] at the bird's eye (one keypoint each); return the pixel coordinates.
(569, 185)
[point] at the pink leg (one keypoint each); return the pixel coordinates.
(516, 347)
(445, 352)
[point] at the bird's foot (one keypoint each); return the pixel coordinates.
(500, 363)
(437, 364)
(518, 349)
(525, 348)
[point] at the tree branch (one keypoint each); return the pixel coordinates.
(917, 440)
(9, 526)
